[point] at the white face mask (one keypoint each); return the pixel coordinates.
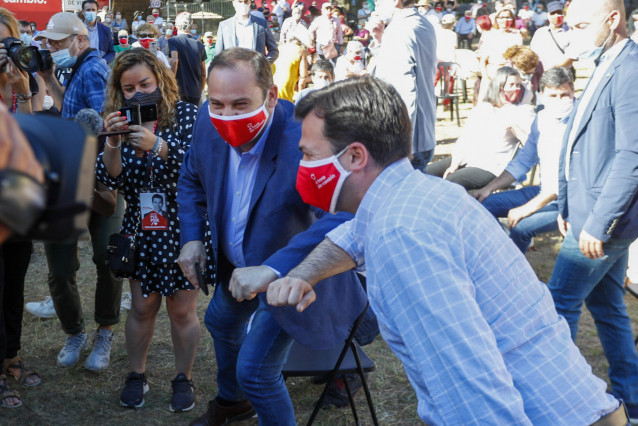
(320, 83)
(241, 9)
(558, 108)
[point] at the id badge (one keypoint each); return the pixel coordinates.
(153, 209)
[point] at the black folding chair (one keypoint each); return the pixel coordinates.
(448, 89)
(349, 359)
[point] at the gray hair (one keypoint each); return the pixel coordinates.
(493, 94)
(183, 21)
(556, 77)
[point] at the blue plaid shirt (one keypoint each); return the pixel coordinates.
(460, 306)
(88, 87)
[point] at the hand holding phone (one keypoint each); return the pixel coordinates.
(201, 279)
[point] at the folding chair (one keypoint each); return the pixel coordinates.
(349, 359)
(449, 71)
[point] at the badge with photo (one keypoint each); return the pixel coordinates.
(153, 209)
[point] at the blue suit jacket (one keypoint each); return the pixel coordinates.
(281, 229)
(105, 43)
(262, 37)
(601, 195)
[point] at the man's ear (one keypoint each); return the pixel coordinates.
(273, 95)
(357, 157)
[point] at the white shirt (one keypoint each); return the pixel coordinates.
(446, 44)
(605, 62)
(345, 67)
(244, 33)
(491, 135)
(539, 19)
(550, 138)
(547, 51)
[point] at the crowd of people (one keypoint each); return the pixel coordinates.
(292, 150)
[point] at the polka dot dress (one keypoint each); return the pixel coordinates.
(156, 251)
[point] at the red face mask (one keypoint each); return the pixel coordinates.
(156, 15)
(511, 96)
(145, 42)
(509, 23)
(559, 20)
(467, 18)
(438, 9)
(357, 57)
(238, 130)
(526, 7)
(319, 182)
(124, 40)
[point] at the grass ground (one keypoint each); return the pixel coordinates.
(78, 397)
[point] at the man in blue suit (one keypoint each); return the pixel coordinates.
(598, 190)
(99, 34)
(239, 175)
(246, 30)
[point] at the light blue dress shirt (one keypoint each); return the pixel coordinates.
(477, 333)
(241, 174)
(465, 27)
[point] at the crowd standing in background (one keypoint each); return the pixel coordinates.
(224, 182)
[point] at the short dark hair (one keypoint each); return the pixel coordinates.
(23, 23)
(229, 58)
(362, 109)
(90, 1)
(556, 77)
(323, 65)
(161, 198)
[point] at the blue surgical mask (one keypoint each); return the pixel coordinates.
(63, 58)
(90, 16)
(193, 32)
(26, 38)
(139, 17)
(585, 48)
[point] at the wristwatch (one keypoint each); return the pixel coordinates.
(22, 200)
(23, 98)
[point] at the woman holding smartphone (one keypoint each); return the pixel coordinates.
(144, 164)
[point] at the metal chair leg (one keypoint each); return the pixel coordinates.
(364, 382)
(351, 400)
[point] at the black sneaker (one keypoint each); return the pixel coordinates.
(337, 396)
(134, 389)
(183, 394)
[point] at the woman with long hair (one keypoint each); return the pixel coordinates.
(491, 134)
(144, 164)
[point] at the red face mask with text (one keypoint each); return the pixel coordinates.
(559, 20)
(511, 96)
(145, 42)
(319, 182)
(238, 130)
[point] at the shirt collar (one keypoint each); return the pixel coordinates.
(249, 22)
(613, 52)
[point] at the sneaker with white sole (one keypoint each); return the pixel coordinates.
(98, 359)
(42, 309)
(70, 353)
(132, 395)
(125, 303)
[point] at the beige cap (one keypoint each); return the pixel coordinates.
(208, 34)
(61, 25)
(448, 19)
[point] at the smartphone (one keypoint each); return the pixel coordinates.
(132, 114)
(201, 279)
(148, 112)
(152, 46)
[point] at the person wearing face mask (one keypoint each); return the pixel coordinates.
(322, 73)
(552, 43)
(118, 23)
(209, 46)
(324, 31)
(473, 327)
(490, 136)
(598, 190)
(362, 35)
(138, 19)
(291, 67)
(526, 62)
(533, 209)
(100, 37)
(539, 18)
(159, 21)
(147, 34)
(167, 33)
(350, 64)
(247, 31)
(187, 60)
(143, 165)
(123, 40)
(241, 169)
(632, 25)
(291, 24)
(466, 29)
(405, 56)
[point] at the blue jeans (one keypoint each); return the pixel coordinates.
(543, 220)
(599, 283)
(249, 364)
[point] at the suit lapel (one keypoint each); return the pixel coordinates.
(268, 157)
(597, 91)
(219, 184)
(230, 31)
(255, 31)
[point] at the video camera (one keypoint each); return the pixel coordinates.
(27, 58)
(67, 154)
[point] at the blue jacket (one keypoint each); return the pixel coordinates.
(601, 196)
(106, 43)
(262, 37)
(281, 229)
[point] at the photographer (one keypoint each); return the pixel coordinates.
(68, 41)
(15, 92)
(144, 164)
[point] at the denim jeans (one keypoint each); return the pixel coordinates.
(249, 364)
(599, 283)
(544, 220)
(421, 159)
(63, 262)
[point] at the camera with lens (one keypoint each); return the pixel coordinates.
(27, 58)
(59, 209)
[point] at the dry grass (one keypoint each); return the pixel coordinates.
(77, 396)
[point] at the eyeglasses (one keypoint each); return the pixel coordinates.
(146, 35)
(58, 43)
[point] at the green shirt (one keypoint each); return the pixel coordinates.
(119, 48)
(210, 53)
